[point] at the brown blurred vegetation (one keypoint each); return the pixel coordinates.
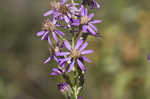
(119, 68)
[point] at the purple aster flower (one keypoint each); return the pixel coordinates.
(48, 29)
(91, 3)
(75, 54)
(86, 21)
(62, 10)
(64, 87)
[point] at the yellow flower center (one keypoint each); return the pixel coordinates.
(75, 54)
(55, 5)
(63, 9)
(48, 25)
(84, 20)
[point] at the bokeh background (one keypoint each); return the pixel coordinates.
(119, 68)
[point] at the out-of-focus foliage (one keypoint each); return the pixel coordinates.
(119, 68)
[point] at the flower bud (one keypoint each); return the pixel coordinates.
(64, 88)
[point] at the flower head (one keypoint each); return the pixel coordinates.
(75, 54)
(86, 21)
(49, 28)
(62, 10)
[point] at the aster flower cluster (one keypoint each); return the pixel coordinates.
(66, 27)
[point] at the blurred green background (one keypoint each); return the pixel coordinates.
(119, 68)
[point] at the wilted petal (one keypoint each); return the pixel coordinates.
(86, 59)
(91, 30)
(95, 21)
(48, 13)
(91, 16)
(68, 46)
(47, 60)
(55, 37)
(87, 52)
(40, 33)
(62, 53)
(81, 65)
(83, 46)
(78, 44)
(71, 66)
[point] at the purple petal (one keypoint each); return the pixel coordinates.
(78, 44)
(87, 51)
(84, 28)
(82, 10)
(63, 65)
(59, 32)
(55, 37)
(86, 59)
(53, 73)
(40, 33)
(98, 6)
(56, 59)
(95, 21)
(83, 46)
(66, 19)
(76, 20)
(92, 26)
(54, 21)
(81, 65)
(44, 36)
(68, 46)
(91, 30)
(91, 16)
(74, 8)
(47, 60)
(71, 66)
(62, 53)
(49, 41)
(75, 24)
(55, 69)
(48, 13)
(85, 12)
(64, 60)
